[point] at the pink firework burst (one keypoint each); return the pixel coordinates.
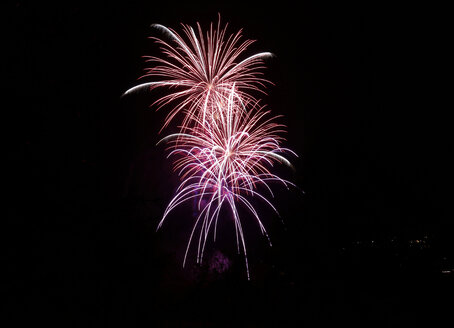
(224, 161)
(243, 140)
(199, 70)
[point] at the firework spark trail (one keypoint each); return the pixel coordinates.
(227, 142)
(215, 194)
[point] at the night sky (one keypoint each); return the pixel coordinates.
(364, 240)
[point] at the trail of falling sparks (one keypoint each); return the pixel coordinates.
(227, 142)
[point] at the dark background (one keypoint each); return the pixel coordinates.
(360, 87)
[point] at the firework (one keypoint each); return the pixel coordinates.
(225, 161)
(200, 70)
(227, 142)
(245, 141)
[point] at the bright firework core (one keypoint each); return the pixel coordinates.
(227, 141)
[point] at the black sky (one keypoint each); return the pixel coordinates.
(360, 87)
